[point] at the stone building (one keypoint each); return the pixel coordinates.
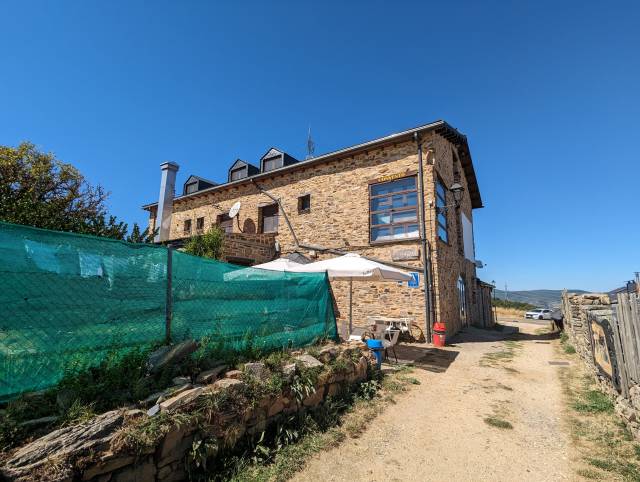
(364, 199)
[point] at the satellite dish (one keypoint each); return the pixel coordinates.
(235, 209)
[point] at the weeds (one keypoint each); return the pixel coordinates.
(498, 423)
(593, 401)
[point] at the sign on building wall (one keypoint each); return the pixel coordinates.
(405, 254)
(414, 282)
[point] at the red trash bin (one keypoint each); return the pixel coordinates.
(439, 334)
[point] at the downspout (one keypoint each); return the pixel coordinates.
(426, 252)
(280, 209)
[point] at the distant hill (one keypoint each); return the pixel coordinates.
(541, 298)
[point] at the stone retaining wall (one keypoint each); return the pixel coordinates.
(155, 445)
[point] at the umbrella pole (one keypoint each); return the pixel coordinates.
(350, 306)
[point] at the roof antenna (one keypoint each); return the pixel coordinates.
(311, 146)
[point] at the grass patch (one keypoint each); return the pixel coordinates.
(589, 474)
(498, 423)
(593, 401)
(504, 355)
(569, 349)
(606, 448)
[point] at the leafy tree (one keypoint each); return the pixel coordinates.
(208, 245)
(36, 189)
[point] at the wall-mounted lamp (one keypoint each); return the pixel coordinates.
(457, 190)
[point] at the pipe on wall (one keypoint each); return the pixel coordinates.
(426, 249)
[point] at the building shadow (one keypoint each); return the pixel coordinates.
(424, 357)
(472, 334)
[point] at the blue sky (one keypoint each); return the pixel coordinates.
(547, 93)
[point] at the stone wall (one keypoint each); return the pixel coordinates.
(155, 445)
(575, 308)
(243, 248)
(339, 219)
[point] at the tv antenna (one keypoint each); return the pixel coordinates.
(311, 146)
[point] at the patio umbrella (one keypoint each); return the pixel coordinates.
(280, 264)
(352, 267)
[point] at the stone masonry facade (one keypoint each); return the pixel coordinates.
(338, 219)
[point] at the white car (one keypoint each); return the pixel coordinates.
(539, 314)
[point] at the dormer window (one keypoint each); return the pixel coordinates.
(275, 159)
(191, 188)
(195, 184)
(242, 169)
(271, 163)
(237, 174)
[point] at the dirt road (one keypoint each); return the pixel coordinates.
(487, 409)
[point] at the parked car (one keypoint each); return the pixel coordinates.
(538, 314)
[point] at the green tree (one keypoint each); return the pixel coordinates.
(37, 189)
(207, 245)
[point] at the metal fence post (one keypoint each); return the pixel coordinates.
(169, 295)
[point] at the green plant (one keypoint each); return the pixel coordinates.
(368, 390)
(569, 349)
(201, 452)
(302, 386)
(78, 412)
(207, 245)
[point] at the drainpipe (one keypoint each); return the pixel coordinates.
(280, 209)
(426, 253)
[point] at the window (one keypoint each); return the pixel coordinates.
(225, 223)
(199, 225)
(441, 210)
(187, 227)
(192, 187)
(304, 203)
(462, 299)
(269, 218)
(238, 173)
(393, 208)
(271, 163)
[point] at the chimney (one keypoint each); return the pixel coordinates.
(165, 201)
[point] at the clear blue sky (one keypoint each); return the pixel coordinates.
(547, 93)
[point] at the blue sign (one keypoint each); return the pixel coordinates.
(414, 282)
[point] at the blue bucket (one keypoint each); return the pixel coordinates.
(376, 347)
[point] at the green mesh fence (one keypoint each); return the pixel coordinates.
(68, 300)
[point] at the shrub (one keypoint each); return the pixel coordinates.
(207, 245)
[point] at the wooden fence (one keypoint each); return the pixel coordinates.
(625, 325)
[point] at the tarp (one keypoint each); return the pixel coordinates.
(68, 300)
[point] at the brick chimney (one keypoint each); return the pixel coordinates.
(165, 201)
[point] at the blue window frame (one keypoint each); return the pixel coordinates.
(393, 208)
(441, 210)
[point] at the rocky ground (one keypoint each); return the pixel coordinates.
(489, 407)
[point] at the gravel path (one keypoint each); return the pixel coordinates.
(438, 432)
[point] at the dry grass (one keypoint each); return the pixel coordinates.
(604, 448)
(510, 312)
